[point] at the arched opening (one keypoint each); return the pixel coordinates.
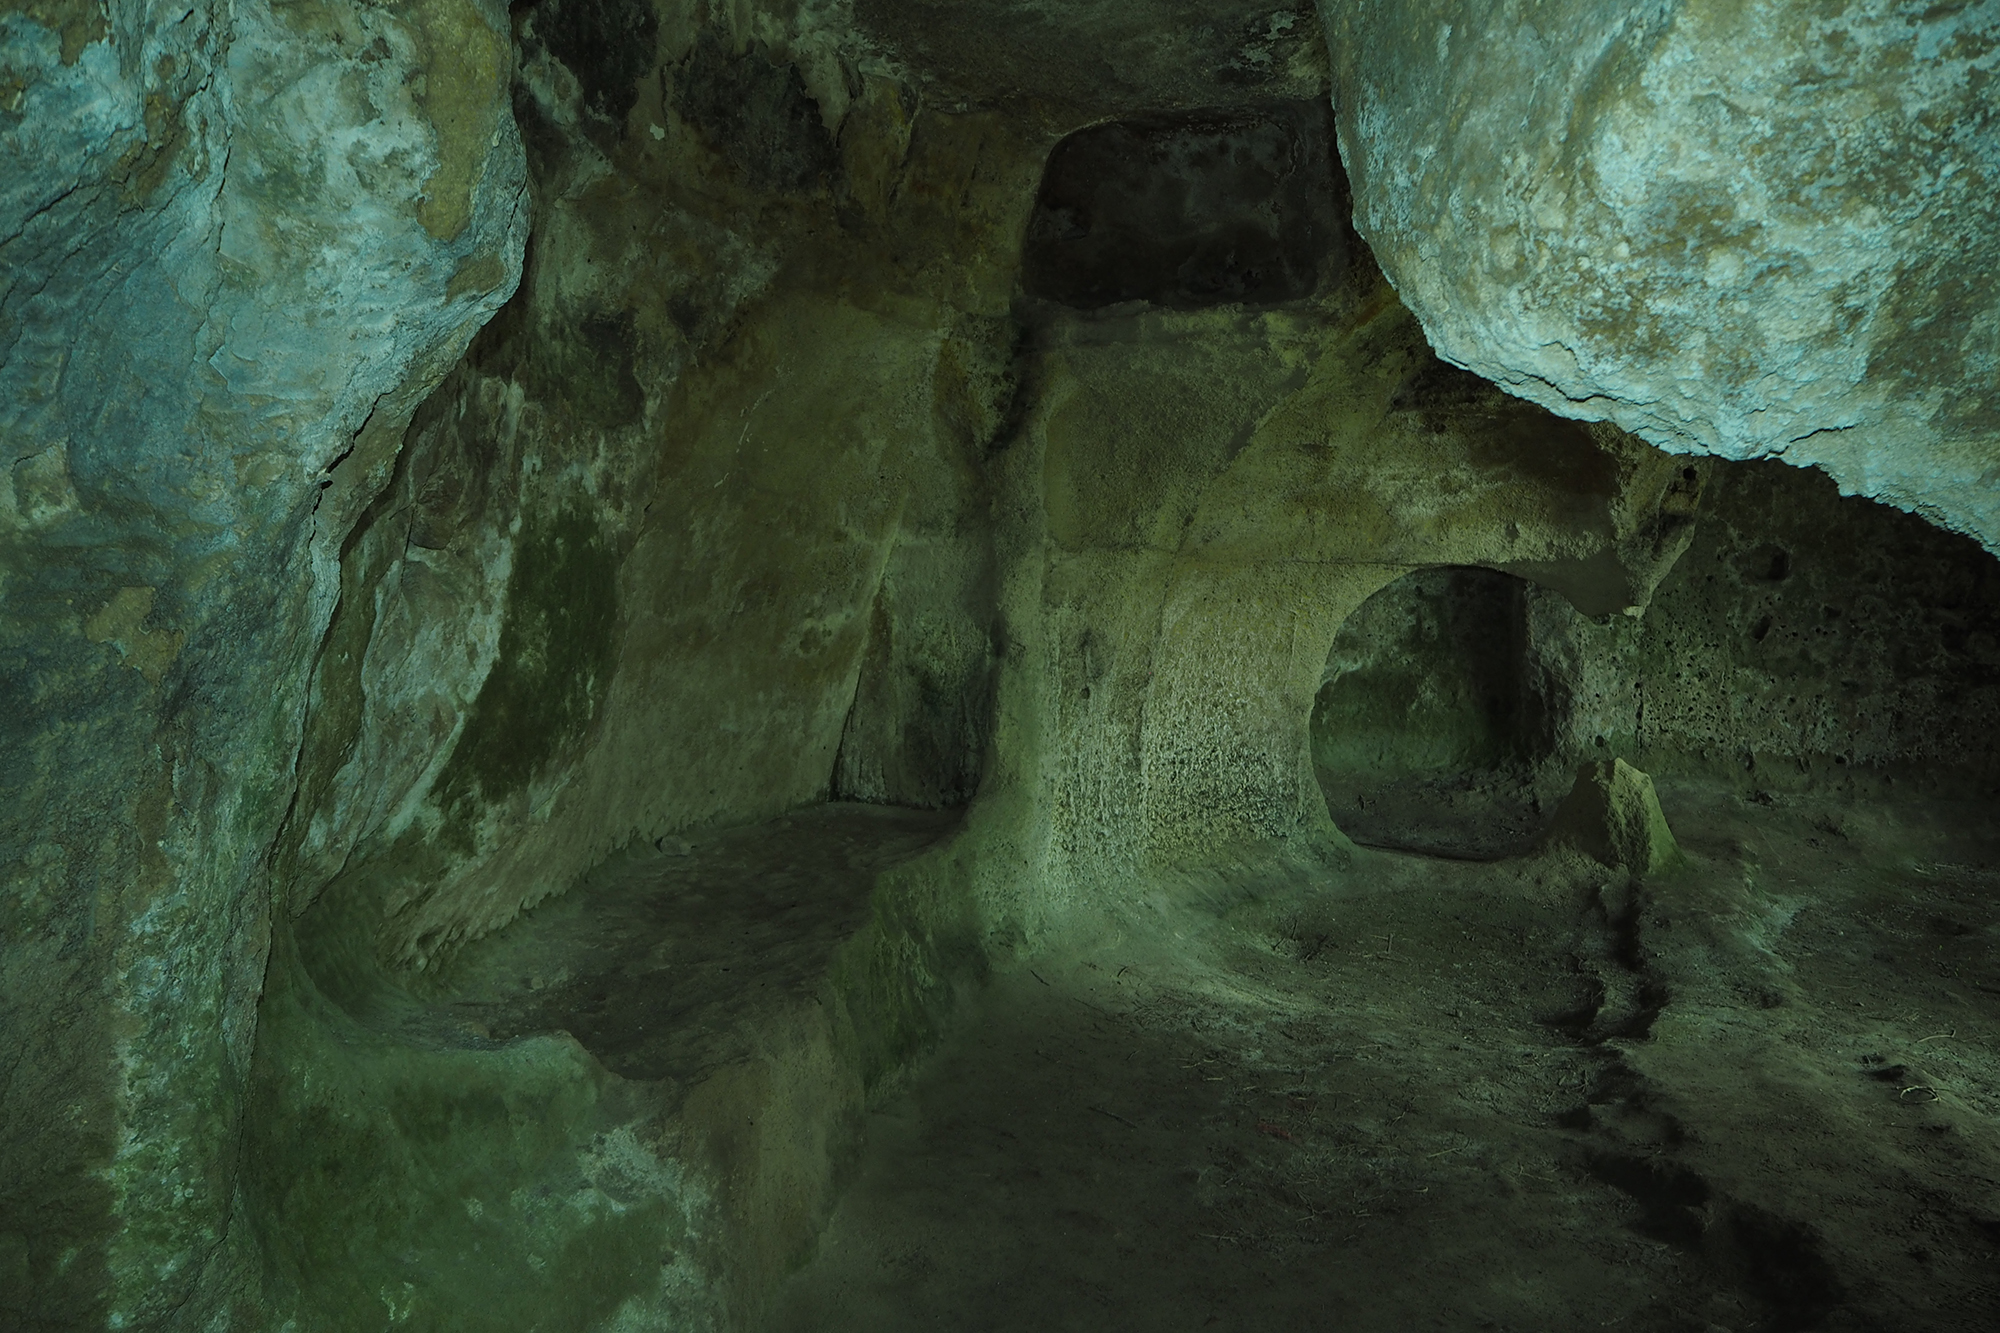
(1190, 209)
(1432, 729)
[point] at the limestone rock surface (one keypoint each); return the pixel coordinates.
(239, 243)
(1742, 229)
(1613, 814)
(1061, 63)
(337, 642)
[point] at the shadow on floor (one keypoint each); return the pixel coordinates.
(1414, 1095)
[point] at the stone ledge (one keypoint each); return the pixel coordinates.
(633, 1104)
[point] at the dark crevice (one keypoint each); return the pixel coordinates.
(1190, 209)
(1432, 732)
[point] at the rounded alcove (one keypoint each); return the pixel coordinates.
(1189, 209)
(1431, 731)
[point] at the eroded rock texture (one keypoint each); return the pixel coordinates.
(456, 881)
(839, 444)
(238, 246)
(1760, 229)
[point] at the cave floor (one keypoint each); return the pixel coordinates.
(668, 961)
(1759, 1093)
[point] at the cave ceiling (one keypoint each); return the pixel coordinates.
(1078, 62)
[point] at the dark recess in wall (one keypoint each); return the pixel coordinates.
(1191, 209)
(756, 113)
(607, 44)
(1430, 732)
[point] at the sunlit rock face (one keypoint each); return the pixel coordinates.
(1738, 229)
(238, 246)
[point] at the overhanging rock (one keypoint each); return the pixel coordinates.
(1741, 229)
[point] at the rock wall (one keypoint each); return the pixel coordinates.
(1806, 640)
(238, 246)
(627, 578)
(692, 537)
(1749, 230)
(771, 485)
(822, 452)
(1206, 497)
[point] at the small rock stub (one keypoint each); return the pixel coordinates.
(1613, 814)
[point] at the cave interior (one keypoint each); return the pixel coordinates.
(862, 667)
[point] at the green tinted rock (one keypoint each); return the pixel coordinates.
(1744, 229)
(1613, 814)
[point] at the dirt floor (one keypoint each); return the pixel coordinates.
(1761, 1093)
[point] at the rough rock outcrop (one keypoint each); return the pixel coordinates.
(1613, 814)
(338, 643)
(238, 245)
(1733, 228)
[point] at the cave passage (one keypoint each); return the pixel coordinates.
(1431, 732)
(903, 667)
